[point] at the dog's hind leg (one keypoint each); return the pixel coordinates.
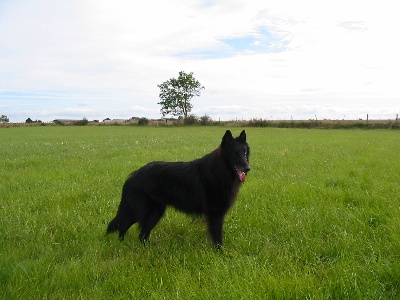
(150, 220)
(124, 219)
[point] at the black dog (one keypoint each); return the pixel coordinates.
(206, 186)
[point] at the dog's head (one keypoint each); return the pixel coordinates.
(237, 152)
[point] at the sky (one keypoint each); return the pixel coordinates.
(274, 60)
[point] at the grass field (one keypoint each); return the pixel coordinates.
(318, 217)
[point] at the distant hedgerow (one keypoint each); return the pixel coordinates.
(143, 122)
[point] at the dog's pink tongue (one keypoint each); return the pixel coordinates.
(242, 175)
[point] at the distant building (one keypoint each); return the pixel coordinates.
(114, 121)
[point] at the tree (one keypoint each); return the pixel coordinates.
(82, 122)
(4, 119)
(143, 122)
(176, 94)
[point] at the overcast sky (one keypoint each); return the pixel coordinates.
(257, 59)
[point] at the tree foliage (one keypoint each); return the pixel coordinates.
(176, 94)
(4, 119)
(143, 122)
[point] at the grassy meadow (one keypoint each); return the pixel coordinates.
(317, 218)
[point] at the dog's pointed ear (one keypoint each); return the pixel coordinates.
(242, 137)
(226, 138)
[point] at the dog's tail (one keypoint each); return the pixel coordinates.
(113, 225)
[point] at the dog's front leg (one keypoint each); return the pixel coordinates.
(215, 224)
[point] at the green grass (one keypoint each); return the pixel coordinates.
(318, 217)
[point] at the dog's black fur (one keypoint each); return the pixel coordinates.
(206, 186)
